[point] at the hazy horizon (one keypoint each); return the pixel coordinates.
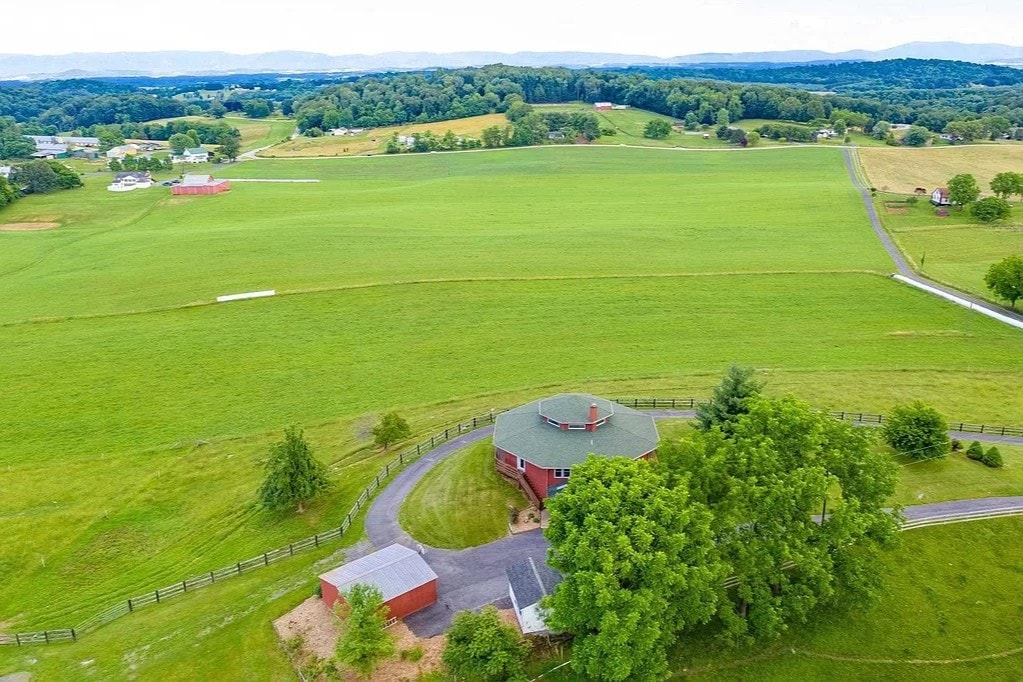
(530, 26)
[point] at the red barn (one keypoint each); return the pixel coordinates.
(603, 106)
(200, 184)
(537, 444)
(407, 583)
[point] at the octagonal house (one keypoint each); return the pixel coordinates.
(537, 444)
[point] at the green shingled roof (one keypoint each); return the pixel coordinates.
(525, 432)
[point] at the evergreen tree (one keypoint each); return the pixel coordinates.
(293, 475)
(729, 399)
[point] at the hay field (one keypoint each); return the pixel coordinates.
(899, 170)
(374, 140)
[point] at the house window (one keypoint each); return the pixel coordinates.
(562, 473)
(553, 423)
(521, 464)
(576, 427)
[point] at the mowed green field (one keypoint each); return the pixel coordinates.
(438, 285)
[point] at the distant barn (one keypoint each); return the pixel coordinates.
(201, 184)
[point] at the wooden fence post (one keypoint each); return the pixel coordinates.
(291, 549)
(74, 637)
(184, 586)
(46, 636)
(239, 567)
(17, 639)
(158, 596)
(130, 607)
(316, 539)
(213, 578)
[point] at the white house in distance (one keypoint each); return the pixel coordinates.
(530, 581)
(127, 181)
(939, 197)
(5, 172)
(192, 155)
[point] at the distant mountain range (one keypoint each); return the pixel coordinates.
(85, 65)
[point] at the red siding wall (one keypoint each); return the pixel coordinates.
(399, 607)
(216, 188)
(412, 601)
(329, 592)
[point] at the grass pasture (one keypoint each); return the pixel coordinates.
(956, 249)
(374, 140)
(901, 170)
(462, 502)
(438, 285)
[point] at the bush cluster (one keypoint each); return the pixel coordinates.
(991, 457)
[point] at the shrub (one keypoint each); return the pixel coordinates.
(992, 458)
(975, 451)
(513, 514)
(917, 431)
(957, 445)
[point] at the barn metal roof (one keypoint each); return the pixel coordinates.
(394, 570)
(525, 432)
(530, 580)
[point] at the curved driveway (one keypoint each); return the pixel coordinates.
(471, 578)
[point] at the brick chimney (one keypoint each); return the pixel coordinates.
(593, 413)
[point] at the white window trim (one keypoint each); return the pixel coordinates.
(563, 473)
(577, 427)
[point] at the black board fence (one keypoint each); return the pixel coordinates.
(405, 457)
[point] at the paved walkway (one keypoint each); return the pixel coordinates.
(907, 273)
(471, 578)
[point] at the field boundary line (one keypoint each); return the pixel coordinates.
(416, 452)
(451, 280)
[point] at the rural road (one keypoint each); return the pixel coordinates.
(471, 578)
(903, 267)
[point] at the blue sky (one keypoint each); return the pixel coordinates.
(657, 27)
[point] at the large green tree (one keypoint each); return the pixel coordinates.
(179, 142)
(1006, 184)
(38, 176)
(765, 485)
(963, 189)
(917, 431)
(391, 428)
(482, 648)
(293, 475)
(230, 144)
(364, 640)
(639, 567)
(729, 399)
(657, 129)
(1004, 279)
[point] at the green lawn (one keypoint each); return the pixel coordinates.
(951, 592)
(955, 250)
(256, 132)
(439, 285)
(462, 502)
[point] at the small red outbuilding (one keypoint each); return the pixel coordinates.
(407, 583)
